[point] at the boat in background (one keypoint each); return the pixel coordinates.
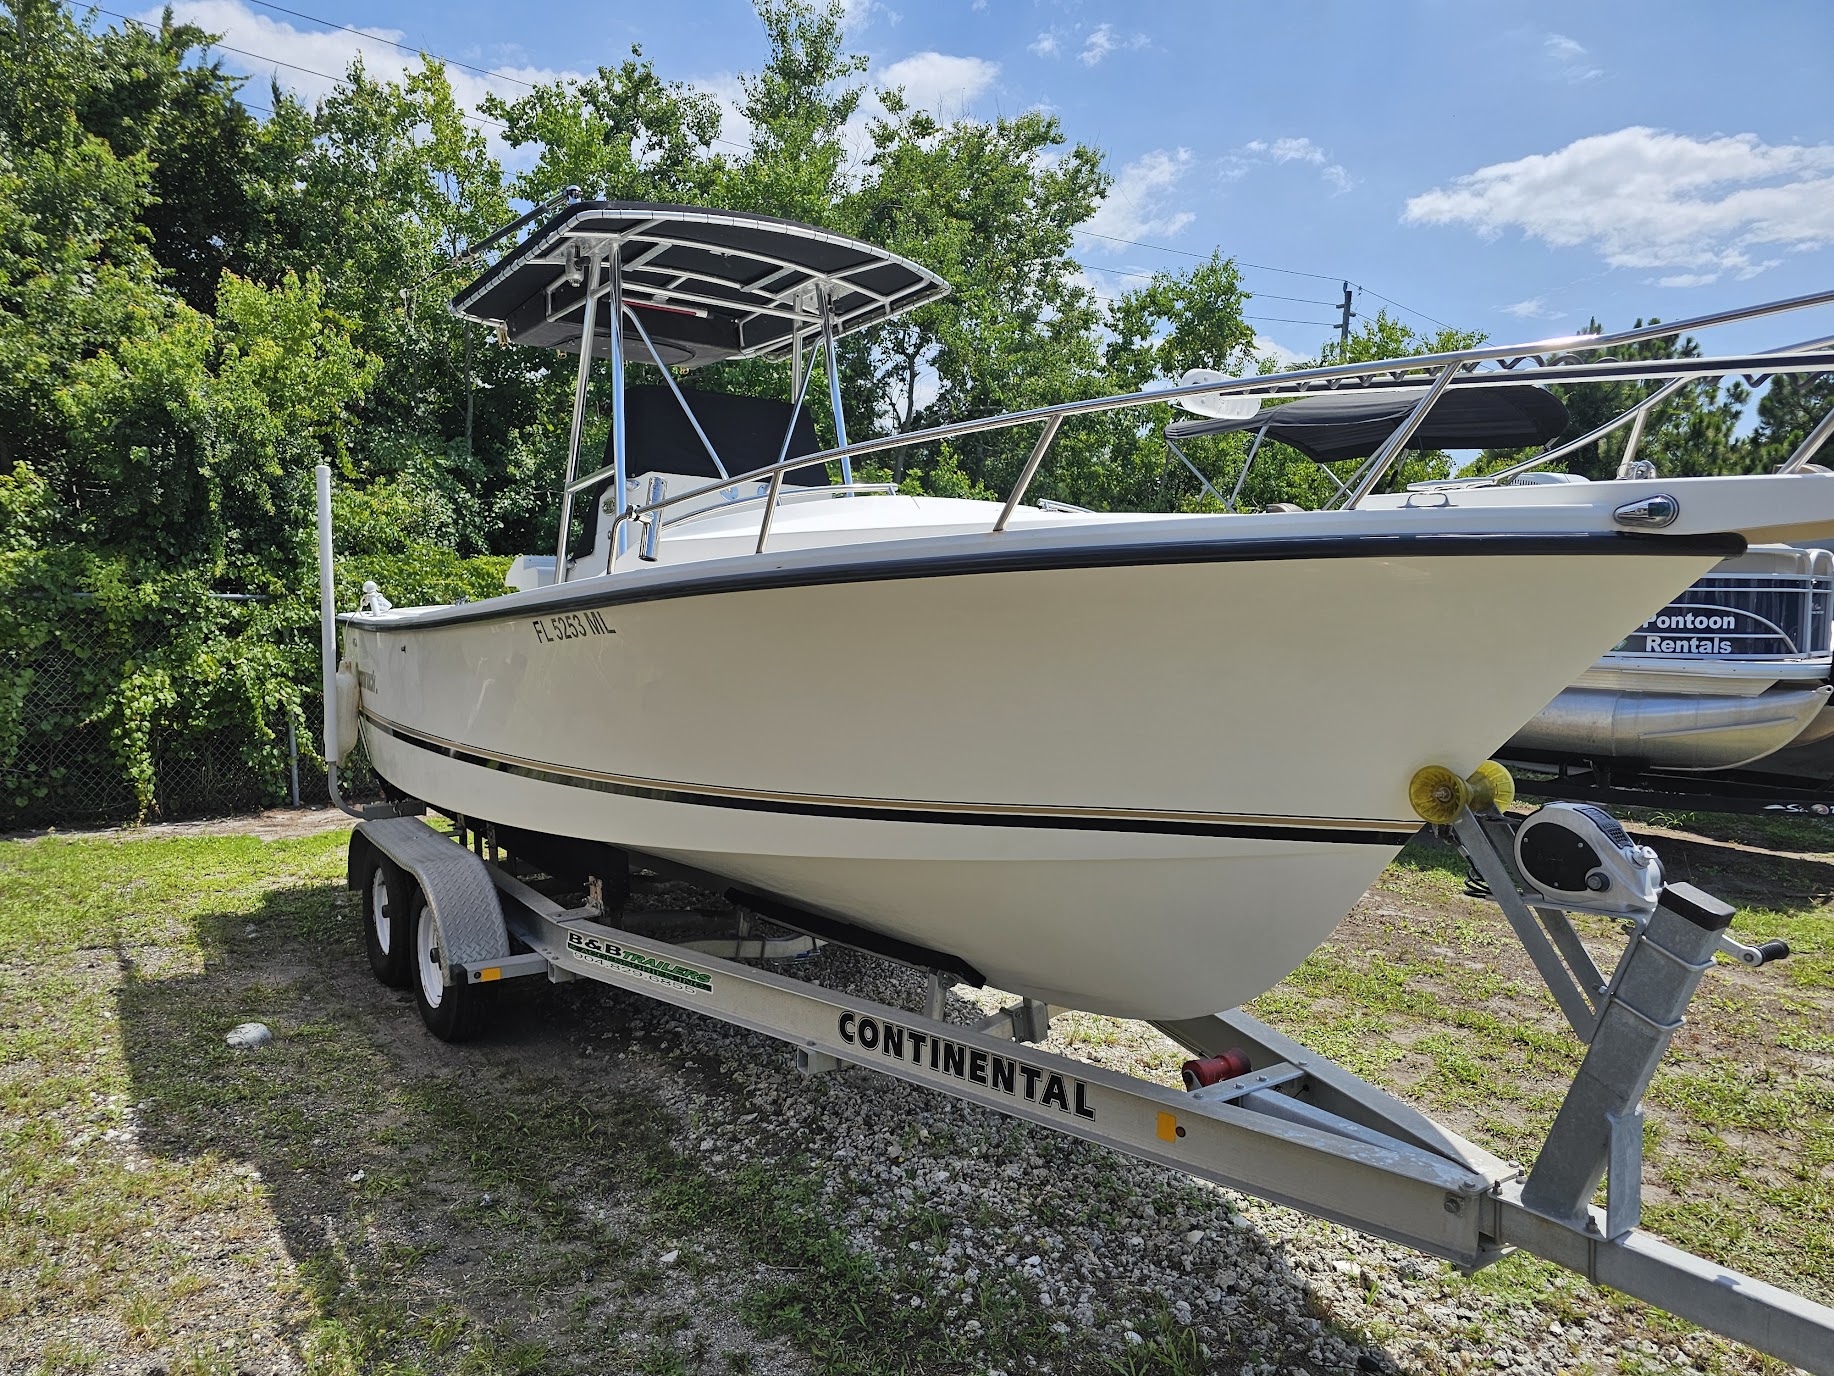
(981, 735)
(1732, 672)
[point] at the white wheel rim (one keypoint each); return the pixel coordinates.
(427, 947)
(381, 921)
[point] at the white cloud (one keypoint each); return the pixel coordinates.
(1534, 308)
(1103, 40)
(1261, 152)
(724, 87)
(1283, 357)
(310, 62)
(1141, 202)
(938, 81)
(1045, 44)
(1645, 198)
(1288, 150)
(858, 14)
(1569, 60)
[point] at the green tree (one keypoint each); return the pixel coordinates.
(1690, 434)
(992, 209)
(1792, 405)
(623, 134)
(798, 102)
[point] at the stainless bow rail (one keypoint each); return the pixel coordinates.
(1562, 360)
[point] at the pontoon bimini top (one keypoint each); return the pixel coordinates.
(1350, 426)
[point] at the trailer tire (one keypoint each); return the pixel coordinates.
(452, 1012)
(388, 893)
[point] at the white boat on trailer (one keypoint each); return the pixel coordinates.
(651, 708)
(982, 729)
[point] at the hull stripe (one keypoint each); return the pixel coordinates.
(1341, 830)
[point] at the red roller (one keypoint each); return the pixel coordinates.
(1213, 1069)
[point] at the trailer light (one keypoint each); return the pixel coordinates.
(490, 972)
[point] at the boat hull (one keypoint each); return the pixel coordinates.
(1147, 789)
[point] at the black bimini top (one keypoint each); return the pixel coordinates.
(706, 284)
(1353, 425)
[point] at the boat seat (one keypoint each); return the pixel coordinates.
(747, 432)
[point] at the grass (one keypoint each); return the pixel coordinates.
(1432, 999)
(355, 1192)
(370, 1200)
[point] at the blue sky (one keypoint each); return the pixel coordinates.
(1511, 169)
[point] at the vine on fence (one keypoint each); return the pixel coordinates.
(107, 671)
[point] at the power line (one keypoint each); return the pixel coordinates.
(1409, 309)
(279, 62)
(1265, 267)
(375, 38)
(1185, 252)
(404, 47)
(1302, 300)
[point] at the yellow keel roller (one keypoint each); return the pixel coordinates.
(1491, 786)
(1437, 794)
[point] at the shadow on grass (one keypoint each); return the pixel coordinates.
(501, 1205)
(425, 1194)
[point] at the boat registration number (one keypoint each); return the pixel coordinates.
(552, 630)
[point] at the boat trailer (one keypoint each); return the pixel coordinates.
(453, 915)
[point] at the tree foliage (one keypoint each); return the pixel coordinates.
(198, 305)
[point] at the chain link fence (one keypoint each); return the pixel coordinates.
(65, 770)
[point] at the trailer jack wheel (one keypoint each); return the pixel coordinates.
(452, 1012)
(387, 893)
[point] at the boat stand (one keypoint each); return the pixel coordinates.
(1261, 1113)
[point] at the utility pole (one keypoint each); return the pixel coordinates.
(1343, 326)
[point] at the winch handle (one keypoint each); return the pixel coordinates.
(1762, 954)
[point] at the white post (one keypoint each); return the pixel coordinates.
(328, 638)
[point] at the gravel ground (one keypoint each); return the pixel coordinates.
(1117, 1254)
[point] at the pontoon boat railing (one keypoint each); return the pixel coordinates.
(1554, 361)
(1759, 616)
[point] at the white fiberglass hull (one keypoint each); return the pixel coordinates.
(1133, 777)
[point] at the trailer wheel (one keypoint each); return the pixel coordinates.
(387, 893)
(450, 1011)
